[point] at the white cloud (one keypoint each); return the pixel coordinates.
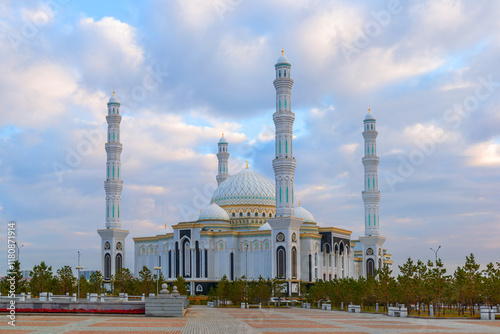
(484, 154)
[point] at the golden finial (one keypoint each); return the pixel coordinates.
(299, 203)
(200, 210)
(213, 200)
(223, 134)
(368, 110)
(282, 52)
(165, 225)
(113, 92)
(247, 163)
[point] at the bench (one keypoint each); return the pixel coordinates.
(259, 305)
(306, 305)
(354, 309)
(326, 307)
(488, 313)
(398, 312)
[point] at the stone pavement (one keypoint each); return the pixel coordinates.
(201, 319)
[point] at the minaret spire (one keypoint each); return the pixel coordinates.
(223, 157)
(284, 164)
(371, 194)
(113, 237)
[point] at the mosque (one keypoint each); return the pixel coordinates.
(252, 227)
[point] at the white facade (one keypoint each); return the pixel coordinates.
(113, 237)
(252, 228)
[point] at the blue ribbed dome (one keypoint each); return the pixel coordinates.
(213, 212)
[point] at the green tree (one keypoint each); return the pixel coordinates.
(472, 281)
(406, 282)
(41, 278)
(224, 290)
(386, 286)
(84, 286)
(181, 285)
(491, 284)
(237, 291)
(15, 274)
(65, 279)
(146, 281)
(96, 282)
(437, 283)
(122, 281)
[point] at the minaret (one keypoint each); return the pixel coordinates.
(284, 164)
(372, 242)
(223, 156)
(113, 238)
(371, 195)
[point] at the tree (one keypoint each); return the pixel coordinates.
(41, 278)
(65, 279)
(146, 280)
(386, 284)
(14, 275)
(491, 284)
(223, 290)
(96, 282)
(123, 281)
(84, 286)
(437, 282)
(406, 282)
(237, 288)
(472, 280)
(181, 285)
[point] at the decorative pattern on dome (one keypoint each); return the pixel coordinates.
(305, 215)
(245, 188)
(213, 212)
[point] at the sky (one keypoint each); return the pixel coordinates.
(188, 70)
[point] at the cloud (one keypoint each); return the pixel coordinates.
(486, 154)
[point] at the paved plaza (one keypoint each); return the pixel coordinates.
(201, 319)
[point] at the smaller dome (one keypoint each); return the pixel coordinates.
(213, 212)
(305, 215)
(265, 227)
(222, 140)
(369, 117)
(113, 99)
(282, 59)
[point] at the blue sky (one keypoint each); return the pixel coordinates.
(188, 70)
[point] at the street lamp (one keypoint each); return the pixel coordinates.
(436, 253)
(157, 278)
(18, 253)
(78, 267)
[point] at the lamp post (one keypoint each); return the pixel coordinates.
(78, 267)
(18, 252)
(436, 253)
(157, 278)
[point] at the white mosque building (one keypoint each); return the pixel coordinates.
(252, 227)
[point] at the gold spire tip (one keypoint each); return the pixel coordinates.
(113, 92)
(282, 52)
(299, 203)
(247, 163)
(223, 134)
(368, 110)
(165, 225)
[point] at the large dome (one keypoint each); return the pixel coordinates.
(245, 188)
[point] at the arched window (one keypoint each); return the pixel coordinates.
(280, 194)
(108, 172)
(370, 267)
(256, 214)
(113, 171)
(118, 171)
(113, 210)
(241, 214)
(248, 214)
(280, 104)
(285, 103)
(368, 183)
(374, 220)
(107, 209)
(369, 220)
(373, 183)
(107, 266)
(286, 146)
(118, 136)
(118, 262)
(315, 259)
(285, 74)
(281, 262)
(118, 211)
(270, 215)
(294, 262)
(187, 259)
(234, 214)
(279, 146)
(379, 263)
(280, 73)
(113, 136)
(287, 194)
(109, 136)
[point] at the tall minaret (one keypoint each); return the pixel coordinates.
(371, 195)
(284, 164)
(113, 238)
(223, 156)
